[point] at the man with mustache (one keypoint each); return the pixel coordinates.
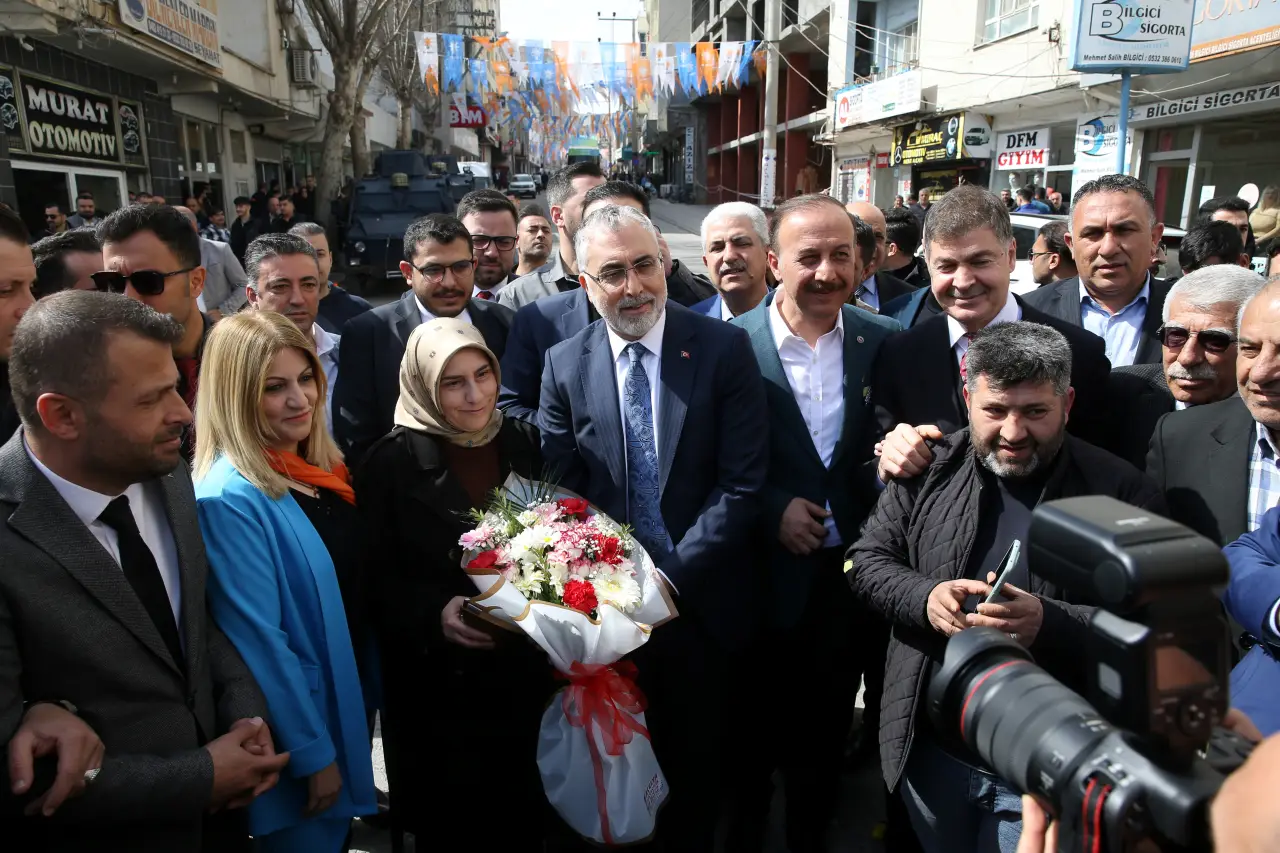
(1217, 463)
(534, 239)
(936, 542)
(1199, 348)
(439, 266)
(735, 238)
(657, 415)
(490, 218)
(917, 380)
(1114, 235)
(815, 352)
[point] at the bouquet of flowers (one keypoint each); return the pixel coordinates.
(550, 564)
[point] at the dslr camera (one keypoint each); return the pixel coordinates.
(1135, 765)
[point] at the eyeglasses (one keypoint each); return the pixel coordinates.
(434, 273)
(1033, 255)
(482, 241)
(616, 277)
(52, 215)
(146, 282)
(1213, 340)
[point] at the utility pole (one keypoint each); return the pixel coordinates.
(769, 145)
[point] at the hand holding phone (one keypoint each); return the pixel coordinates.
(1007, 564)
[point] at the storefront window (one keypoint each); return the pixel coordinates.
(1238, 151)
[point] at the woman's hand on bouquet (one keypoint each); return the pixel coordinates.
(459, 632)
(323, 789)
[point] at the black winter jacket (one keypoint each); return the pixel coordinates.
(920, 535)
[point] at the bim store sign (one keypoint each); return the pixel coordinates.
(48, 119)
(1147, 36)
(466, 115)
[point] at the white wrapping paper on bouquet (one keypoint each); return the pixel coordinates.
(597, 763)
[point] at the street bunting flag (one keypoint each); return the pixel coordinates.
(561, 90)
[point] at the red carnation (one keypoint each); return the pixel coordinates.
(609, 549)
(576, 507)
(580, 595)
(484, 560)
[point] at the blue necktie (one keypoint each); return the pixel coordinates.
(642, 459)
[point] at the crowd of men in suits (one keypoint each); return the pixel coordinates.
(827, 448)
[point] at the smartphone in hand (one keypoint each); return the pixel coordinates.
(1007, 565)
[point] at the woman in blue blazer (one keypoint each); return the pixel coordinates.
(282, 535)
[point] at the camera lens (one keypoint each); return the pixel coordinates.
(1024, 724)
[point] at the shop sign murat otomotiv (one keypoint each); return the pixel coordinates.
(46, 118)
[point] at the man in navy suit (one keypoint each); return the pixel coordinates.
(815, 353)
(440, 270)
(1252, 599)
(657, 415)
(735, 239)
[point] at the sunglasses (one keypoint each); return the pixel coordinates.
(1213, 340)
(146, 282)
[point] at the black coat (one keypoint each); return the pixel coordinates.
(372, 347)
(889, 287)
(916, 380)
(1140, 397)
(415, 509)
(1062, 300)
(918, 536)
(1200, 458)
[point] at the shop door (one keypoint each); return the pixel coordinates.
(1168, 182)
(108, 190)
(38, 188)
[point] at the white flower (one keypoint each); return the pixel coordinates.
(524, 544)
(530, 580)
(618, 589)
(528, 518)
(559, 574)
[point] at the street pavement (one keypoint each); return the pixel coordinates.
(857, 827)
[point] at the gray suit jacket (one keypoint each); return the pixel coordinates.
(72, 628)
(533, 286)
(224, 278)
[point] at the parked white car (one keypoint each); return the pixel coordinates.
(523, 186)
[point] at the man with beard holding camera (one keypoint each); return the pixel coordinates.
(936, 542)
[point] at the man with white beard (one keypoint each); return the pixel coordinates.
(658, 416)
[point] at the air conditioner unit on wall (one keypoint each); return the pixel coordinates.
(304, 68)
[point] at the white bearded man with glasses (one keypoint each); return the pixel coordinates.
(440, 270)
(658, 416)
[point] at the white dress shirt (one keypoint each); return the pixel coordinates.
(1010, 313)
(427, 316)
(725, 313)
(652, 363)
(327, 352)
(146, 502)
(816, 377)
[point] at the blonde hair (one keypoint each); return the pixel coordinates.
(233, 377)
(1270, 198)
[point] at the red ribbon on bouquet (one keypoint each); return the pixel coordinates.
(607, 696)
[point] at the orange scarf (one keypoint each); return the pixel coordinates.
(300, 470)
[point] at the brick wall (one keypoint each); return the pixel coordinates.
(161, 130)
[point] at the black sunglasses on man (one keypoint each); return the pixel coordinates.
(146, 282)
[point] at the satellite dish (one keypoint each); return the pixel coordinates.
(1249, 192)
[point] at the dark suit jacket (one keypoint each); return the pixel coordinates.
(1200, 458)
(686, 287)
(372, 347)
(713, 438)
(916, 380)
(1139, 398)
(889, 287)
(537, 327)
(795, 469)
(1062, 300)
(415, 509)
(71, 627)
